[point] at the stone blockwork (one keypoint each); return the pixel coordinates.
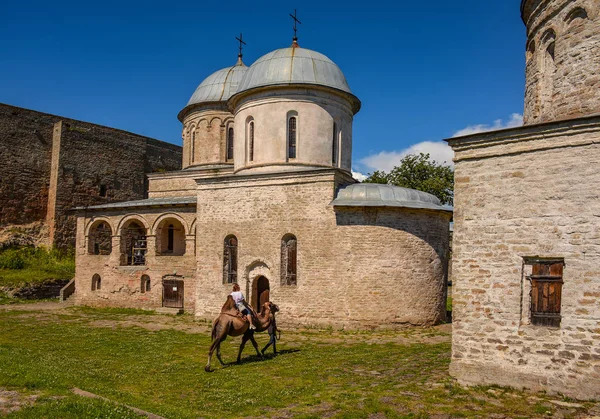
(519, 193)
(357, 267)
(121, 284)
(89, 160)
(563, 59)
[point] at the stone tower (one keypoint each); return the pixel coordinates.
(563, 59)
(208, 123)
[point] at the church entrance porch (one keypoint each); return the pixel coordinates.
(260, 292)
(173, 293)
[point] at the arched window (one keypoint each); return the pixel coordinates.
(292, 137)
(96, 282)
(193, 145)
(170, 238)
(251, 141)
(289, 266)
(334, 145)
(577, 14)
(133, 244)
(100, 239)
(230, 143)
(145, 284)
(230, 253)
(548, 70)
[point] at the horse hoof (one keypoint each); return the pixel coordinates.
(207, 369)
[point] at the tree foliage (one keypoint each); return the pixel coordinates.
(416, 171)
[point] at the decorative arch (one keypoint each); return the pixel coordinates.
(162, 217)
(132, 217)
(95, 220)
(258, 275)
(216, 118)
(578, 13)
(170, 232)
(229, 139)
(133, 230)
(250, 132)
(192, 229)
(548, 36)
(99, 237)
(145, 284)
(530, 50)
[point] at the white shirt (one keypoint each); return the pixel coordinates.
(237, 296)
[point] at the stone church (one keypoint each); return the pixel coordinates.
(526, 245)
(266, 199)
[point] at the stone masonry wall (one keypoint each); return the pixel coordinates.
(563, 59)
(527, 192)
(356, 267)
(121, 285)
(90, 157)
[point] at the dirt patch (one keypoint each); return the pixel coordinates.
(11, 401)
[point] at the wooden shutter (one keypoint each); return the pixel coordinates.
(546, 290)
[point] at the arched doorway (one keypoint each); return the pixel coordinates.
(261, 292)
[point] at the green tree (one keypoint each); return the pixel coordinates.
(416, 171)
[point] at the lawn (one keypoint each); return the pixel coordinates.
(29, 266)
(155, 363)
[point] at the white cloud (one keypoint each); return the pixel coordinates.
(387, 160)
(358, 176)
(515, 120)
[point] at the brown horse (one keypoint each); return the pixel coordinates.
(230, 323)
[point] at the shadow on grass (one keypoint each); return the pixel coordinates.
(267, 357)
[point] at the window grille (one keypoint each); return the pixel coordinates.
(251, 141)
(292, 137)
(230, 144)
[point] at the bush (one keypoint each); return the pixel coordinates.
(11, 259)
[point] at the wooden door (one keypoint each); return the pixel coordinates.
(262, 292)
(172, 293)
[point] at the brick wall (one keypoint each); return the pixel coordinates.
(356, 267)
(90, 157)
(520, 193)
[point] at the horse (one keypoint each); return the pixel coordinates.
(230, 323)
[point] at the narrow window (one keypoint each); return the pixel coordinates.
(251, 141)
(171, 235)
(230, 144)
(103, 190)
(288, 260)
(334, 148)
(145, 284)
(193, 146)
(96, 282)
(292, 137)
(546, 288)
(230, 260)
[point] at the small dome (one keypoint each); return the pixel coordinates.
(294, 65)
(379, 195)
(220, 85)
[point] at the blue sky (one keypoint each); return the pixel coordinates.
(423, 70)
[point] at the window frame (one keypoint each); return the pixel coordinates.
(292, 136)
(230, 259)
(289, 252)
(545, 293)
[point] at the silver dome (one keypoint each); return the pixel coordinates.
(294, 65)
(220, 85)
(379, 195)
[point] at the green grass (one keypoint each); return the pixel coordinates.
(449, 304)
(162, 372)
(28, 265)
(5, 300)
